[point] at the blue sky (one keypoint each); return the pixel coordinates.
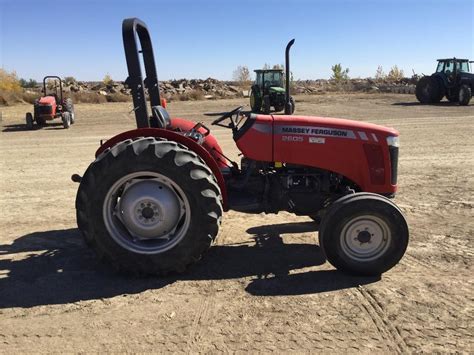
(210, 38)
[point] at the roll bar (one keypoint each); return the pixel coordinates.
(60, 85)
(288, 108)
(131, 29)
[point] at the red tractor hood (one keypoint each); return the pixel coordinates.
(334, 123)
(47, 100)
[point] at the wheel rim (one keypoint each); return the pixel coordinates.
(365, 238)
(146, 213)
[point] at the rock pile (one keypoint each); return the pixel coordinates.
(197, 88)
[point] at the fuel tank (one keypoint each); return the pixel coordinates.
(357, 150)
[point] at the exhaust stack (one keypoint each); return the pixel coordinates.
(288, 108)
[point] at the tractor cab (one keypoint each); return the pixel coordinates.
(269, 80)
(453, 66)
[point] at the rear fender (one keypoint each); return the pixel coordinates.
(176, 137)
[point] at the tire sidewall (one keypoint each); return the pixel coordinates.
(148, 162)
(351, 209)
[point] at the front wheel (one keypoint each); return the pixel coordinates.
(364, 234)
(70, 108)
(66, 118)
(465, 95)
(149, 206)
(29, 121)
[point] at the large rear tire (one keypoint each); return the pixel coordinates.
(149, 206)
(255, 99)
(363, 234)
(428, 90)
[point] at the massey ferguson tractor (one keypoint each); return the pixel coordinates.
(152, 201)
(52, 105)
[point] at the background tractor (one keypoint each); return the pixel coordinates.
(51, 105)
(452, 79)
(152, 200)
(268, 91)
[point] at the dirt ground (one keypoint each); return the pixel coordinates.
(265, 285)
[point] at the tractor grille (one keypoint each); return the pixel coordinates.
(44, 110)
(393, 164)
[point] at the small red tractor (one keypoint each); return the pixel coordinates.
(153, 199)
(51, 105)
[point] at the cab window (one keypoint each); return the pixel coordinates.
(449, 67)
(463, 67)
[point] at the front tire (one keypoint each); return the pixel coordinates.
(66, 118)
(29, 121)
(364, 234)
(465, 95)
(70, 108)
(149, 206)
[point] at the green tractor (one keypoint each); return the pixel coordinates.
(268, 90)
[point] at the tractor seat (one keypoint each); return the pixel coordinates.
(160, 117)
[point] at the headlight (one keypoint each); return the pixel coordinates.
(393, 141)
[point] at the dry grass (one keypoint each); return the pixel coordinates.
(194, 95)
(88, 98)
(118, 97)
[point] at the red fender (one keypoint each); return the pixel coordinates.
(205, 155)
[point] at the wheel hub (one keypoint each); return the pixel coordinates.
(365, 238)
(149, 209)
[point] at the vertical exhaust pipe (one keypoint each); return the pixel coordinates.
(288, 108)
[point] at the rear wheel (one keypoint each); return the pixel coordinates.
(428, 90)
(29, 121)
(66, 118)
(149, 206)
(363, 234)
(465, 95)
(255, 99)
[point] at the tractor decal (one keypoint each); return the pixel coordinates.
(318, 131)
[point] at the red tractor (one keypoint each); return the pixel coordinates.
(153, 199)
(52, 105)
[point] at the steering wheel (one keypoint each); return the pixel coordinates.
(233, 123)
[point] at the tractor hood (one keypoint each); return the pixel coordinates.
(315, 126)
(47, 100)
(277, 89)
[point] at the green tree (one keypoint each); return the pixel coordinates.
(338, 74)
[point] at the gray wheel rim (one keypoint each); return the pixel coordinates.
(146, 213)
(365, 238)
